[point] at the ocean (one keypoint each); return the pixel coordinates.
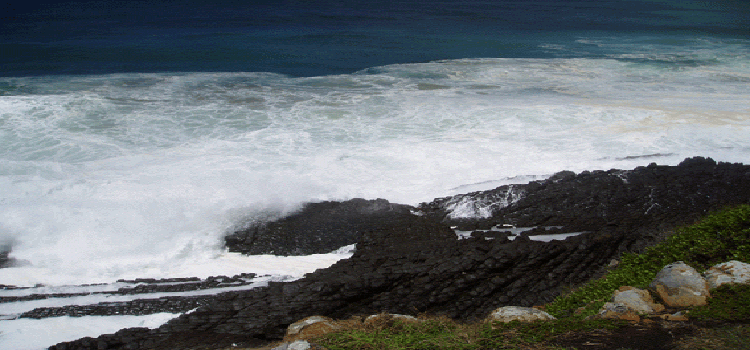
(134, 135)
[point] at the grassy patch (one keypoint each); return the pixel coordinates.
(444, 333)
(727, 303)
(719, 237)
(435, 333)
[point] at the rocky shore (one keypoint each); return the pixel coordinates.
(409, 260)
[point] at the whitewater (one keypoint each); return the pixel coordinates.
(141, 175)
(132, 175)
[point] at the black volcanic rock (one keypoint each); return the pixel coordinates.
(147, 304)
(5, 259)
(416, 266)
(625, 200)
(316, 228)
(412, 264)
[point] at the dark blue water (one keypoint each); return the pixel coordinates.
(310, 38)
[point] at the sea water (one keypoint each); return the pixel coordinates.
(130, 145)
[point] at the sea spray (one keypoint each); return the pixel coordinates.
(106, 176)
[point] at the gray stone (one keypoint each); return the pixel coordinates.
(679, 285)
(297, 327)
(618, 311)
(507, 314)
(638, 300)
(729, 272)
(295, 345)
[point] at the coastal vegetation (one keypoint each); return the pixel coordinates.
(721, 236)
(721, 324)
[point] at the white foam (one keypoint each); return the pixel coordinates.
(17, 308)
(227, 264)
(29, 334)
(104, 177)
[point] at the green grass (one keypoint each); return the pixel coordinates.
(397, 334)
(719, 237)
(444, 333)
(727, 303)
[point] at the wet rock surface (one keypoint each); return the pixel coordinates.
(135, 307)
(317, 228)
(409, 263)
(148, 285)
(647, 196)
(150, 302)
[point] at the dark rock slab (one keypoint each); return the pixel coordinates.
(136, 307)
(5, 259)
(316, 229)
(646, 199)
(143, 306)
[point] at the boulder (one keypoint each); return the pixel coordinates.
(297, 345)
(618, 311)
(388, 317)
(311, 326)
(507, 314)
(635, 299)
(679, 285)
(729, 272)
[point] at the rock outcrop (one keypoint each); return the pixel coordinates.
(409, 264)
(407, 267)
(317, 228)
(644, 201)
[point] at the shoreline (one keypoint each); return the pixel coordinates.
(415, 262)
